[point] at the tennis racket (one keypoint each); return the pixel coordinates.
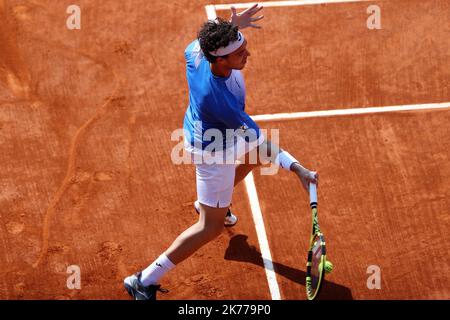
(315, 271)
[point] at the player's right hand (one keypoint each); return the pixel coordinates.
(306, 176)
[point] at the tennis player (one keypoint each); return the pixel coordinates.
(217, 133)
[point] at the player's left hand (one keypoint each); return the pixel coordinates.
(245, 18)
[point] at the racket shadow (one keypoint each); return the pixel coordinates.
(239, 250)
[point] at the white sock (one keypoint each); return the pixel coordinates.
(156, 270)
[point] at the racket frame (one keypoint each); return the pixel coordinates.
(315, 234)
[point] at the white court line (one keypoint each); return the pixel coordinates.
(281, 3)
(262, 237)
(257, 216)
(346, 112)
(211, 12)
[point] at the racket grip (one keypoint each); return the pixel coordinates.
(312, 193)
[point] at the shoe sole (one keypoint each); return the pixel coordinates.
(129, 288)
(130, 291)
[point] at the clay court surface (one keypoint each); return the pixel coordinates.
(87, 178)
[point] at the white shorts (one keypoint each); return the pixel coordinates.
(215, 184)
(215, 181)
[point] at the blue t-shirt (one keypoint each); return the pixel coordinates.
(215, 103)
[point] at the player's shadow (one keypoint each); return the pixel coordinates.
(239, 250)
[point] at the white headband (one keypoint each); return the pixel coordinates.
(231, 47)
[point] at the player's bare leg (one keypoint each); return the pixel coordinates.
(209, 226)
(144, 285)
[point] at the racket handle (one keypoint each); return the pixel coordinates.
(312, 193)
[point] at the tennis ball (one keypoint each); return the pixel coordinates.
(328, 266)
